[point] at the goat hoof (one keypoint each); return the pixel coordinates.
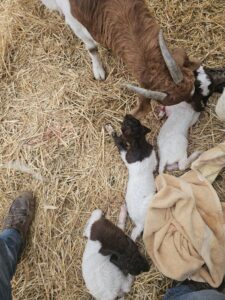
(99, 72)
(109, 129)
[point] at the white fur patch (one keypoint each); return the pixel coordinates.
(173, 136)
(205, 81)
(140, 190)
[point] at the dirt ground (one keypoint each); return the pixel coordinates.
(52, 117)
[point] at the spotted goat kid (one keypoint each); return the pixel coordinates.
(140, 159)
(111, 259)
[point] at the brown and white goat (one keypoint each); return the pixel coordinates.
(128, 28)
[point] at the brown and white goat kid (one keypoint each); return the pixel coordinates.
(140, 159)
(173, 137)
(110, 259)
(128, 28)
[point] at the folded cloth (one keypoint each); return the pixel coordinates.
(184, 231)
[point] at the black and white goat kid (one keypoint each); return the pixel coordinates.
(140, 159)
(111, 259)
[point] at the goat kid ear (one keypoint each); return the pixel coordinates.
(146, 130)
(106, 252)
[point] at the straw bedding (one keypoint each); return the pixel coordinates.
(52, 116)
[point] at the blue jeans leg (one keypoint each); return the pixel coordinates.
(10, 251)
(184, 292)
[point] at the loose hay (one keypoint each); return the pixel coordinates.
(52, 117)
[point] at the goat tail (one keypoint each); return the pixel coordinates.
(185, 163)
(95, 216)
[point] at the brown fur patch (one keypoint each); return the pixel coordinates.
(122, 250)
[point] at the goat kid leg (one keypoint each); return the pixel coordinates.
(122, 217)
(91, 45)
(128, 284)
(118, 140)
(172, 167)
(136, 232)
(186, 162)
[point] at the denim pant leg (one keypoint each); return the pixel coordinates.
(10, 250)
(184, 292)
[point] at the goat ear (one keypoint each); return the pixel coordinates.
(146, 130)
(180, 56)
(192, 64)
(182, 59)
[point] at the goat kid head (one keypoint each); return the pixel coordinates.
(122, 250)
(132, 129)
(207, 82)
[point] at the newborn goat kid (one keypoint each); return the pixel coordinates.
(110, 258)
(172, 138)
(140, 159)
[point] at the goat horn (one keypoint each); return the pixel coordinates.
(172, 66)
(159, 96)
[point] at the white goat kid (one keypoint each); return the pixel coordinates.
(63, 6)
(173, 137)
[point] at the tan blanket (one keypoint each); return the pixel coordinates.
(184, 231)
